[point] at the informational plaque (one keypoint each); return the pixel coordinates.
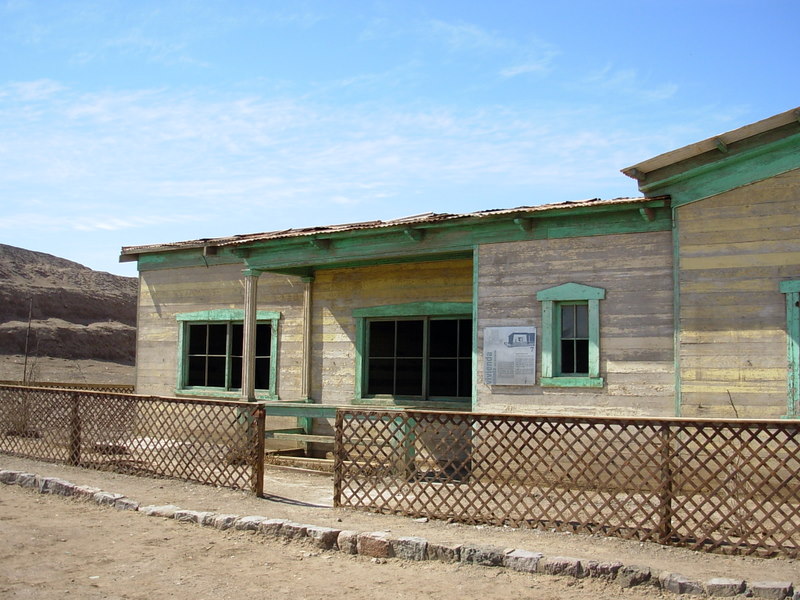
(509, 355)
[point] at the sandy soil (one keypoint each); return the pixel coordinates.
(62, 370)
(54, 545)
(55, 548)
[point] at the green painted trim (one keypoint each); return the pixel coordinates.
(589, 382)
(475, 304)
(792, 291)
(548, 327)
(361, 344)
(415, 309)
(445, 240)
(301, 410)
(676, 314)
(571, 291)
(226, 314)
(594, 339)
(456, 404)
(552, 299)
(207, 392)
(787, 287)
(729, 172)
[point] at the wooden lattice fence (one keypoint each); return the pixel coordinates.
(726, 486)
(215, 442)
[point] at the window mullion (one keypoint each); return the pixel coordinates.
(426, 342)
(228, 355)
(208, 353)
(394, 360)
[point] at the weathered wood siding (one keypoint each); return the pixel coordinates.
(338, 292)
(163, 294)
(636, 319)
(735, 248)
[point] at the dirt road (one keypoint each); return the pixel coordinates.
(52, 546)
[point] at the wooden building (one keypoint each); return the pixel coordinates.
(685, 301)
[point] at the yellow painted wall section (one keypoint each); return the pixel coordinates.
(636, 319)
(735, 248)
(338, 292)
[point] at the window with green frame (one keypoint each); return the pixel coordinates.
(418, 351)
(571, 335)
(211, 351)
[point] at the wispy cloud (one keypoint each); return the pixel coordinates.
(532, 55)
(629, 82)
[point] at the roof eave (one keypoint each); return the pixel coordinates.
(719, 142)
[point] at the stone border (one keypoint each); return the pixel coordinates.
(380, 546)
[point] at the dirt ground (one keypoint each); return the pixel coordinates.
(54, 545)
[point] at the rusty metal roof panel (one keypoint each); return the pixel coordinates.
(420, 219)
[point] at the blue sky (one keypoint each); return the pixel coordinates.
(136, 122)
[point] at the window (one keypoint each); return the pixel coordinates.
(571, 335)
(211, 351)
(792, 291)
(422, 351)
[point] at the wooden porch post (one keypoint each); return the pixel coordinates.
(249, 342)
(305, 386)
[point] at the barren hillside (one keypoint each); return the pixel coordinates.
(77, 313)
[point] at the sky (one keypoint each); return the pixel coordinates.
(128, 122)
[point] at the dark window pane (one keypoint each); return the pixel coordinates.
(582, 356)
(236, 373)
(567, 357)
(568, 321)
(216, 371)
(237, 339)
(380, 376)
(443, 377)
(410, 338)
(218, 340)
(465, 377)
(262, 373)
(381, 339)
(582, 321)
(197, 371)
(465, 338)
(263, 339)
(409, 377)
(197, 339)
(443, 338)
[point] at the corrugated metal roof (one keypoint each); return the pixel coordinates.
(421, 219)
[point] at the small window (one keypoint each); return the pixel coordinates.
(211, 352)
(571, 336)
(573, 358)
(419, 358)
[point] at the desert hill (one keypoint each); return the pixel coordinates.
(77, 313)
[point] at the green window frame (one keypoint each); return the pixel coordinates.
(571, 335)
(414, 353)
(792, 291)
(210, 352)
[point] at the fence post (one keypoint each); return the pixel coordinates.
(258, 424)
(74, 457)
(338, 458)
(666, 488)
